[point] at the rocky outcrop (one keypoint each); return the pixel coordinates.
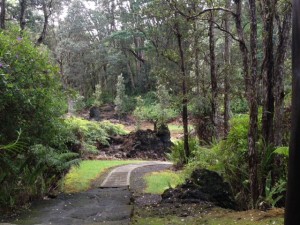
(203, 186)
(143, 144)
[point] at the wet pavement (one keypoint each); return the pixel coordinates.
(110, 204)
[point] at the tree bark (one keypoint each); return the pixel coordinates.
(213, 76)
(184, 91)
(2, 14)
(282, 46)
(253, 107)
(292, 212)
(268, 12)
(227, 63)
(47, 14)
(242, 44)
(23, 4)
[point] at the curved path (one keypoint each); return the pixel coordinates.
(120, 176)
(110, 204)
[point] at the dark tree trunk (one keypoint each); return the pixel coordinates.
(253, 107)
(184, 91)
(282, 46)
(292, 210)
(47, 14)
(23, 4)
(268, 10)
(213, 76)
(196, 55)
(242, 44)
(251, 93)
(2, 15)
(227, 63)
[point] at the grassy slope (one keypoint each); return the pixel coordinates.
(80, 178)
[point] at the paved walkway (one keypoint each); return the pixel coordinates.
(120, 176)
(110, 204)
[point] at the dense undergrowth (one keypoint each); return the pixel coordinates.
(229, 157)
(37, 144)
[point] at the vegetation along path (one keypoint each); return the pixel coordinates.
(108, 204)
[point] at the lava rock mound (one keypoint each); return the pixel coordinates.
(143, 144)
(203, 186)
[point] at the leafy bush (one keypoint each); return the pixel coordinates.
(177, 154)
(31, 94)
(89, 134)
(153, 113)
(31, 100)
(31, 173)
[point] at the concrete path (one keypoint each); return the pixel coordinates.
(120, 176)
(110, 204)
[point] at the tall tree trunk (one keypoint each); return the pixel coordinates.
(242, 44)
(227, 63)
(253, 107)
(22, 21)
(282, 46)
(196, 55)
(292, 212)
(47, 14)
(213, 76)
(184, 91)
(2, 14)
(284, 29)
(268, 11)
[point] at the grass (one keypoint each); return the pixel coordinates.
(79, 178)
(158, 182)
(218, 216)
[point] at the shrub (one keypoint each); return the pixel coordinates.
(31, 94)
(177, 154)
(90, 134)
(31, 100)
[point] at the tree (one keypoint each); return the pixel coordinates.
(292, 215)
(227, 62)
(121, 96)
(2, 13)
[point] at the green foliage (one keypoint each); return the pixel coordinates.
(155, 109)
(31, 95)
(282, 151)
(120, 98)
(202, 157)
(31, 100)
(90, 134)
(31, 173)
(274, 193)
(97, 96)
(177, 155)
(239, 105)
(79, 103)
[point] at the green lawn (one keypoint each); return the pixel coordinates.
(158, 182)
(80, 178)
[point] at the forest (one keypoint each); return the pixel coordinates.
(215, 77)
